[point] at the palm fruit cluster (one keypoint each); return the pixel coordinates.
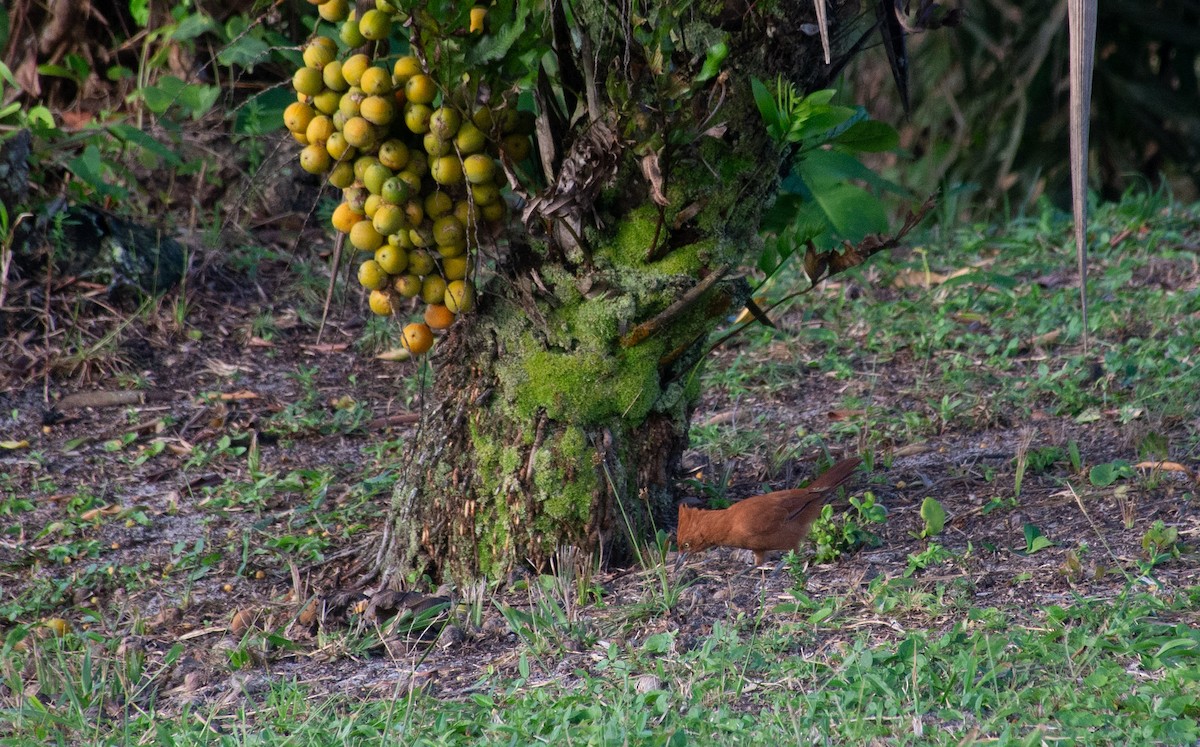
(416, 163)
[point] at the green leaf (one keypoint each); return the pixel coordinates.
(934, 516)
(836, 165)
(56, 71)
(1103, 475)
(712, 61)
(162, 94)
(495, 46)
(192, 26)
(869, 136)
(140, 11)
(1034, 541)
(767, 108)
(197, 100)
(130, 134)
(88, 166)
(245, 50)
(659, 643)
(852, 211)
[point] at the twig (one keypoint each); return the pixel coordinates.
(337, 260)
(669, 314)
(853, 257)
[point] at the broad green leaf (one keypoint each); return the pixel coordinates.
(869, 136)
(817, 165)
(853, 212)
(246, 50)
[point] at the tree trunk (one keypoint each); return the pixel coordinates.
(563, 401)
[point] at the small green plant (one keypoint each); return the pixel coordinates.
(934, 517)
(1103, 475)
(1160, 542)
(932, 555)
(835, 537)
(1034, 540)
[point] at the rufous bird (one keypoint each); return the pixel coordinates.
(773, 521)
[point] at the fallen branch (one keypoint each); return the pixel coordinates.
(672, 312)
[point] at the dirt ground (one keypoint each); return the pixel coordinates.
(214, 385)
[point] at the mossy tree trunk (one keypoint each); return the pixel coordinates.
(562, 404)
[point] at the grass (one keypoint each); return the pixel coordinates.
(959, 604)
(1106, 671)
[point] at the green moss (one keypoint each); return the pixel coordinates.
(584, 386)
(510, 460)
(565, 479)
(633, 239)
(598, 322)
(686, 260)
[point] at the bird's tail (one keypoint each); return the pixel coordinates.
(826, 483)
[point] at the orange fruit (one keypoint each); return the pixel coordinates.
(392, 259)
(438, 204)
(344, 217)
(375, 81)
(459, 296)
(479, 168)
(332, 75)
(327, 101)
(389, 219)
(377, 110)
(297, 116)
(448, 230)
(418, 338)
(318, 55)
(416, 117)
(371, 276)
(444, 122)
(375, 25)
(364, 237)
(354, 67)
(438, 316)
(308, 81)
(446, 170)
(315, 159)
(470, 139)
(420, 262)
(516, 147)
(380, 302)
(420, 89)
(405, 68)
(455, 268)
(319, 129)
(407, 285)
(342, 175)
(340, 150)
(359, 133)
(394, 154)
(433, 289)
(334, 10)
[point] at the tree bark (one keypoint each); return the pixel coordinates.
(561, 406)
